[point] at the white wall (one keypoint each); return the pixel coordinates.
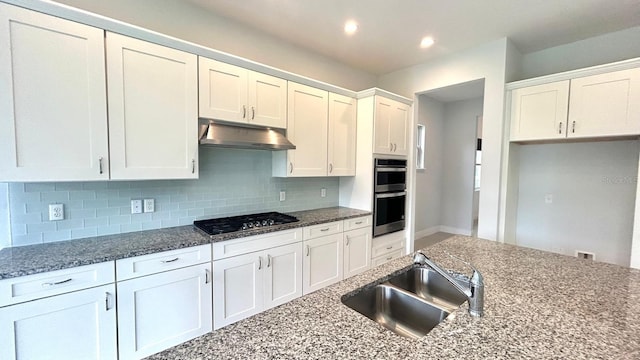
(603, 49)
(487, 61)
(188, 22)
(593, 187)
(428, 182)
(458, 154)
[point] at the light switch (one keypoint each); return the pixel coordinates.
(136, 206)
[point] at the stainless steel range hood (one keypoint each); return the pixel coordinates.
(240, 137)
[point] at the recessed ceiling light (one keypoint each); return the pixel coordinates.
(426, 42)
(350, 27)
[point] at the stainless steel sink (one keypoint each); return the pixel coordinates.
(429, 285)
(410, 303)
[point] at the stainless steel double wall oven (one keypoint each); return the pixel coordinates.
(390, 195)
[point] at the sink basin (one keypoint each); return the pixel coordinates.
(429, 285)
(410, 303)
(398, 310)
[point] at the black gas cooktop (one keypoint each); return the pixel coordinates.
(242, 222)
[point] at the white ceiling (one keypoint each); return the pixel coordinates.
(390, 30)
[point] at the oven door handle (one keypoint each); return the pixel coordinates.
(384, 169)
(390, 195)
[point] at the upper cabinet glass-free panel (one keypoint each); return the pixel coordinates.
(53, 108)
(153, 110)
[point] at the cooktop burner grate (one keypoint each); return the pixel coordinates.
(242, 222)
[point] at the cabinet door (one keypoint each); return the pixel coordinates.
(53, 107)
(605, 105)
(237, 288)
(399, 128)
(342, 136)
(153, 110)
(357, 251)
(539, 112)
(159, 311)
(382, 120)
(322, 263)
(307, 130)
(223, 91)
(267, 100)
(78, 325)
(283, 278)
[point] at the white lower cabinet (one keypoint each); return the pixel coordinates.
(357, 251)
(247, 284)
(162, 310)
(323, 262)
(77, 325)
(387, 247)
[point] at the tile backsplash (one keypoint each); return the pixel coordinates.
(231, 182)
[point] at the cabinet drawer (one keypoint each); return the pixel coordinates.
(386, 257)
(31, 287)
(167, 260)
(380, 248)
(241, 246)
(312, 232)
(357, 223)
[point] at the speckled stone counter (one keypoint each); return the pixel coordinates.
(306, 218)
(33, 259)
(538, 305)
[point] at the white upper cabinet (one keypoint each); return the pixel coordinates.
(391, 127)
(53, 109)
(153, 110)
(540, 112)
(307, 130)
(342, 136)
(605, 105)
(235, 94)
(602, 105)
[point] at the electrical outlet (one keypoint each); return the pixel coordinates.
(136, 206)
(585, 255)
(323, 192)
(149, 205)
(283, 195)
(548, 198)
(56, 212)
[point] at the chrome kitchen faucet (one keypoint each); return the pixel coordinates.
(474, 290)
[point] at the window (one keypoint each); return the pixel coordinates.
(478, 164)
(420, 147)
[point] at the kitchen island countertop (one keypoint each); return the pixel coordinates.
(538, 305)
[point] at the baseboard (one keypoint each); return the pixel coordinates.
(426, 232)
(453, 230)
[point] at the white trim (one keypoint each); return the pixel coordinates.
(385, 93)
(426, 232)
(456, 231)
(5, 217)
(568, 75)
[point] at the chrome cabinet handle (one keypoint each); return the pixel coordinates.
(389, 258)
(193, 166)
(347, 243)
(358, 222)
(207, 276)
(253, 113)
(57, 282)
(330, 168)
(290, 167)
(560, 128)
(244, 111)
(268, 260)
(395, 147)
(573, 127)
(307, 250)
(100, 164)
(389, 247)
(259, 262)
(169, 261)
(325, 229)
(390, 146)
(107, 296)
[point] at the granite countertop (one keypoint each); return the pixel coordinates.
(33, 259)
(538, 305)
